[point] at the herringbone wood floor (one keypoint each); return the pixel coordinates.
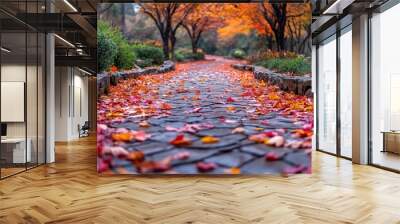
(70, 191)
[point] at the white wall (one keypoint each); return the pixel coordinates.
(71, 102)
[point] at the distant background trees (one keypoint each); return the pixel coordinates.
(188, 31)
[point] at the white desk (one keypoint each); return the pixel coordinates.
(18, 149)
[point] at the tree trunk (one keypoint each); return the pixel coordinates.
(123, 18)
(173, 41)
(280, 39)
(194, 46)
(165, 41)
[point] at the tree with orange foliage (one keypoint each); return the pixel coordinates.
(202, 18)
(168, 17)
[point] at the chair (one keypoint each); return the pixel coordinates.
(84, 130)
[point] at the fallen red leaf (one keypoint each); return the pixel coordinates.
(270, 134)
(230, 100)
(180, 140)
(103, 166)
(271, 156)
(205, 167)
(295, 169)
(165, 106)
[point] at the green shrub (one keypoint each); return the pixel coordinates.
(185, 54)
(106, 52)
(198, 56)
(179, 56)
(149, 54)
(298, 65)
(125, 56)
(239, 54)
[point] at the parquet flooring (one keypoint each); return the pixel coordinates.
(70, 191)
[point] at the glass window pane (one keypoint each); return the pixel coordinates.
(346, 94)
(13, 86)
(385, 83)
(327, 96)
(31, 97)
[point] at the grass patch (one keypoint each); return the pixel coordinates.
(188, 55)
(296, 66)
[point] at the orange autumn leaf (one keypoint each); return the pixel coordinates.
(136, 156)
(259, 138)
(302, 133)
(113, 69)
(180, 140)
(114, 115)
(165, 106)
(234, 170)
(273, 96)
(125, 137)
(231, 108)
(209, 140)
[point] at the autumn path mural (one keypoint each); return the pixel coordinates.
(203, 117)
(196, 113)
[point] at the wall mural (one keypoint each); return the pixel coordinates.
(206, 88)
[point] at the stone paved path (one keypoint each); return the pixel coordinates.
(210, 95)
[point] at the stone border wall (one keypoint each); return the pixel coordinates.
(104, 80)
(295, 84)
